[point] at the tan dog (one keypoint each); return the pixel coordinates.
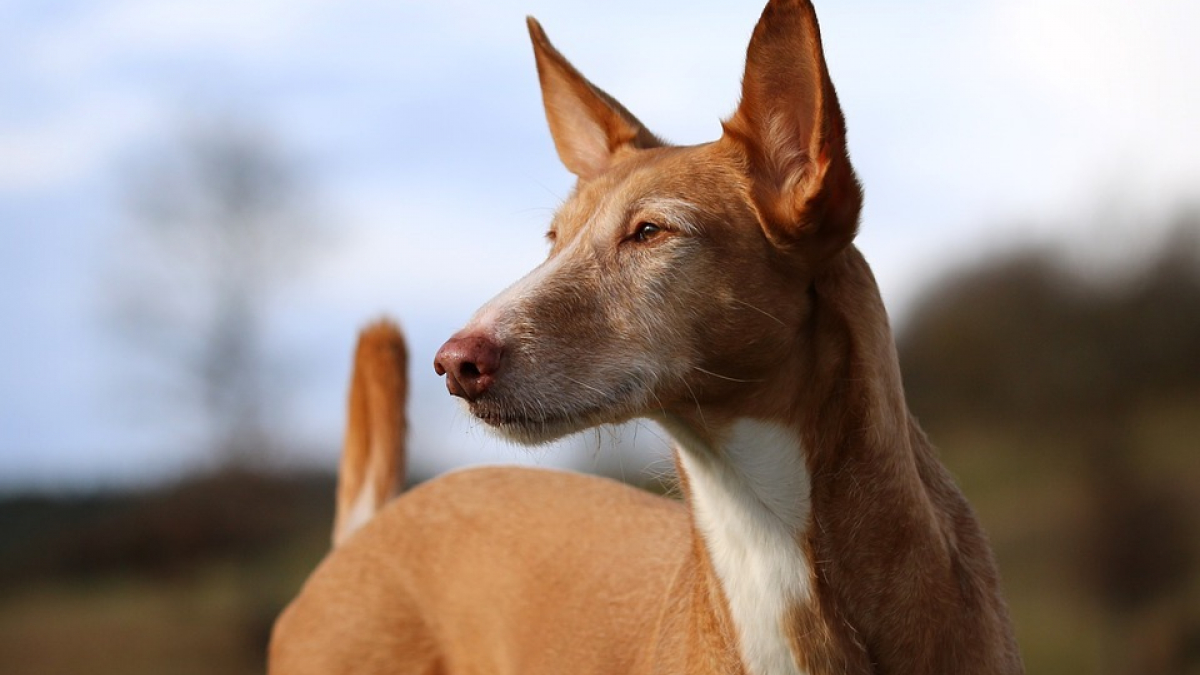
(715, 290)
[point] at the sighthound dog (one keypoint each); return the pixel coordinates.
(715, 290)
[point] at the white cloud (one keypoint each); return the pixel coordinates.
(74, 144)
(440, 248)
(1119, 81)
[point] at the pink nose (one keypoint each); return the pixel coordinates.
(469, 363)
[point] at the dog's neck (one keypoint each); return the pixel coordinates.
(831, 532)
(881, 539)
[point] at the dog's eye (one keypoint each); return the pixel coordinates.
(645, 232)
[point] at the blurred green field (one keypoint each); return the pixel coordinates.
(1068, 409)
(186, 579)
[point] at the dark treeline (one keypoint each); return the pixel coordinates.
(1028, 339)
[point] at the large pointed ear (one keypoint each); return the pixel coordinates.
(791, 129)
(589, 127)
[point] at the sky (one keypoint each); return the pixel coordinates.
(976, 127)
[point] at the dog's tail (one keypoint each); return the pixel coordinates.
(372, 467)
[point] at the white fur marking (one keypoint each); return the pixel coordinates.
(490, 316)
(751, 497)
(363, 509)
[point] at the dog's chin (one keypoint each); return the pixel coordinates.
(533, 434)
(533, 430)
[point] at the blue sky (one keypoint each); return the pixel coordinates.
(976, 127)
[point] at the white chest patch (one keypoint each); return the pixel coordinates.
(751, 497)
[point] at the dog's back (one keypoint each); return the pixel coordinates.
(593, 583)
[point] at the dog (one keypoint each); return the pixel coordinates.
(716, 290)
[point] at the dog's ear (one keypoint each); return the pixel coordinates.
(589, 127)
(790, 127)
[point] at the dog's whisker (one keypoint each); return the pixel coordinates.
(760, 311)
(696, 400)
(724, 377)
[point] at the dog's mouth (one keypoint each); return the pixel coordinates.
(502, 418)
(528, 428)
(532, 421)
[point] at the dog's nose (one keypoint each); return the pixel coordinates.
(469, 363)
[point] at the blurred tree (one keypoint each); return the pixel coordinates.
(1027, 340)
(219, 222)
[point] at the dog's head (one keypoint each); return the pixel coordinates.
(678, 277)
